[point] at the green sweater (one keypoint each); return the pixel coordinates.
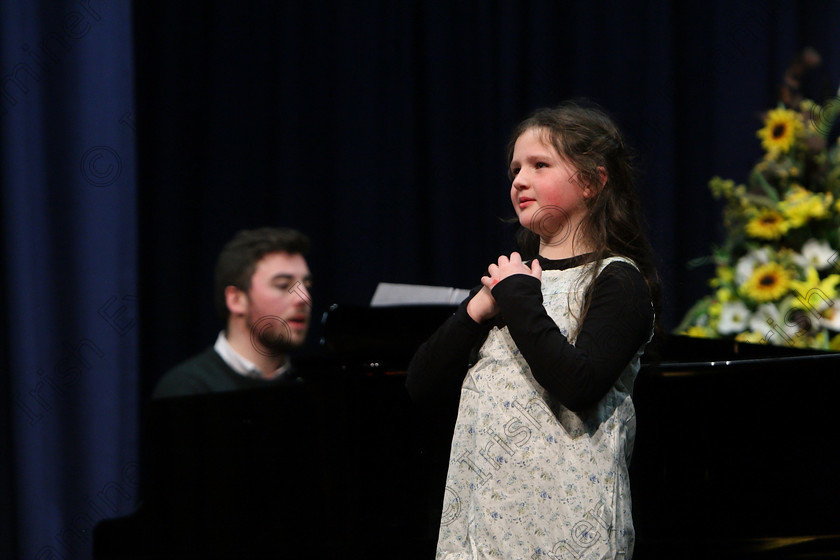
(209, 373)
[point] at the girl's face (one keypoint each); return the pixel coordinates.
(547, 196)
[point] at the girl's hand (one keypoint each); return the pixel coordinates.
(509, 267)
(482, 306)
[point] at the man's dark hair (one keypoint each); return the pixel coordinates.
(239, 257)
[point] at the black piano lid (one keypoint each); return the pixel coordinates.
(682, 355)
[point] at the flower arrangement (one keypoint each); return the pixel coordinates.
(778, 271)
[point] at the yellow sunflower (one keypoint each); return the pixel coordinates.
(768, 224)
(781, 129)
(768, 282)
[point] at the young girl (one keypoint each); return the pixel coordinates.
(545, 428)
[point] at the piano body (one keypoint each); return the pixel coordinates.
(736, 452)
(735, 456)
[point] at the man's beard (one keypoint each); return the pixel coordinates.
(272, 336)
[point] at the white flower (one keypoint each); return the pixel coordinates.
(830, 316)
(768, 320)
(746, 264)
(734, 317)
(764, 315)
(818, 254)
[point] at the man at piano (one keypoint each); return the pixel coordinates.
(261, 292)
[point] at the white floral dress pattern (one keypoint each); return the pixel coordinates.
(528, 478)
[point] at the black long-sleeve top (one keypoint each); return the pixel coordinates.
(619, 320)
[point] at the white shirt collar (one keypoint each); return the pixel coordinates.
(240, 364)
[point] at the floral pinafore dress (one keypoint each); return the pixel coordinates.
(528, 478)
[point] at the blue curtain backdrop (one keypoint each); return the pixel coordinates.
(67, 173)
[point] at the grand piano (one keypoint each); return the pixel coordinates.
(735, 456)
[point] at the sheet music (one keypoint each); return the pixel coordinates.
(410, 294)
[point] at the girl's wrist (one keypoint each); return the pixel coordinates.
(473, 314)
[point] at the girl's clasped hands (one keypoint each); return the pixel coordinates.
(483, 306)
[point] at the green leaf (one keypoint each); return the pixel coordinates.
(762, 182)
(700, 261)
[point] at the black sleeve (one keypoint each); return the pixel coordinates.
(618, 322)
(439, 365)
